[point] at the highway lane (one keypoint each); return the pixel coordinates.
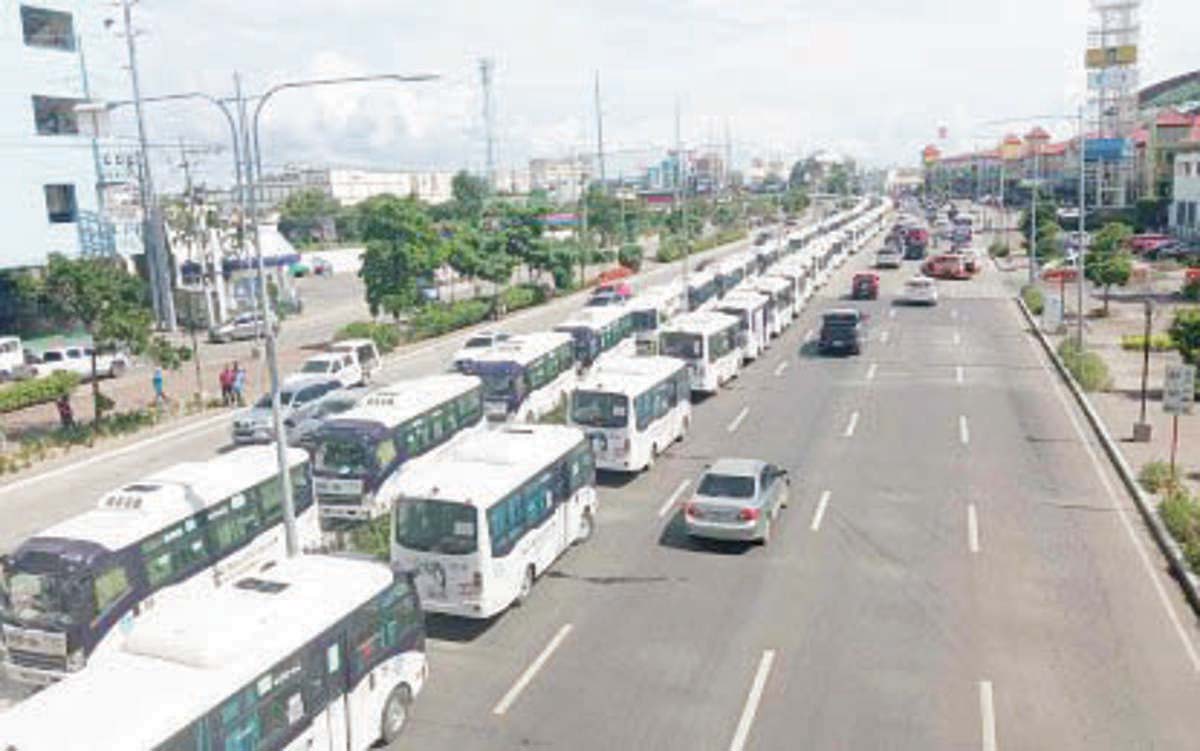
(890, 625)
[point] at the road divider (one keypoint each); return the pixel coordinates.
(746, 721)
(673, 498)
(530, 672)
(972, 528)
(820, 512)
(737, 421)
(850, 426)
(987, 716)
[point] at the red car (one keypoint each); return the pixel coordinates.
(1148, 243)
(1061, 274)
(946, 267)
(865, 286)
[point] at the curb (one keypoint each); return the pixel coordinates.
(1188, 581)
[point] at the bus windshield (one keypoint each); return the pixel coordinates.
(436, 527)
(644, 320)
(600, 410)
(498, 384)
(38, 599)
(345, 456)
(679, 344)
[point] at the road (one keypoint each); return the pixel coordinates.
(956, 571)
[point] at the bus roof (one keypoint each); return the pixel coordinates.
(701, 322)
(141, 508)
(404, 400)
(743, 298)
(630, 375)
(771, 282)
(185, 660)
(478, 468)
(523, 349)
(593, 318)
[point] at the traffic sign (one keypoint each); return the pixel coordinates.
(1179, 390)
(1053, 313)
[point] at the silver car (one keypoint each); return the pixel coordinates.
(737, 499)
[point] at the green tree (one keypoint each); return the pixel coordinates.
(794, 201)
(304, 214)
(1046, 214)
(1112, 238)
(604, 214)
(1107, 270)
(1047, 241)
(1185, 333)
(470, 195)
(402, 249)
(99, 295)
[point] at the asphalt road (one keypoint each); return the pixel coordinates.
(972, 579)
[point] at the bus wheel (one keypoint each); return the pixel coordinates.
(526, 587)
(587, 526)
(395, 713)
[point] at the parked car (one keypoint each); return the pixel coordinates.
(1060, 271)
(299, 269)
(475, 344)
(340, 366)
(946, 266)
(919, 290)
(302, 431)
(364, 352)
(298, 400)
(1148, 242)
(843, 330)
(621, 290)
(864, 286)
(242, 326)
(12, 359)
(888, 257)
(322, 266)
(78, 360)
(737, 499)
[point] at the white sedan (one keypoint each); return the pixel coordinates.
(920, 290)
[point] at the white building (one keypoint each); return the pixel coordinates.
(562, 179)
(1185, 196)
(349, 186)
(49, 175)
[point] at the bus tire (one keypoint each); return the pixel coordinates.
(587, 527)
(526, 586)
(395, 714)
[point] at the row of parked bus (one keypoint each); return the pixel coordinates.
(176, 592)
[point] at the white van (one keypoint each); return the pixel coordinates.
(342, 367)
(366, 356)
(12, 359)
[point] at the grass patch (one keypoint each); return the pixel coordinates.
(1181, 515)
(1156, 477)
(1158, 342)
(1088, 367)
(1034, 299)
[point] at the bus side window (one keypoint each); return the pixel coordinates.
(231, 524)
(301, 488)
(109, 587)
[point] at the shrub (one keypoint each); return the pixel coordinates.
(1158, 342)
(630, 256)
(1181, 515)
(1034, 300)
(36, 448)
(37, 391)
(372, 538)
(440, 318)
(1191, 291)
(670, 249)
(1185, 332)
(1088, 367)
(998, 250)
(1156, 477)
(385, 335)
(523, 296)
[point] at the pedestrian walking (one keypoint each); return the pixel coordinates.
(160, 396)
(66, 415)
(226, 380)
(239, 384)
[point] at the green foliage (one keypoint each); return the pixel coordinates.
(1047, 241)
(523, 296)
(1089, 368)
(1034, 299)
(724, 237)
(1159, 342)
(1111, 238)
(302, 215)
(385, 335)
(440, 318)
(373, 538)
(166, 354)
(22, 394)
(1156, 477)
(604, 214)
(1046, 214)
(38, 448)
(470, 195)
(1181, 515)
(1185, 332)
(998, 250)
(794, 201)
(402, 248)
(1191, 291)
(630, 256)
(670, 249)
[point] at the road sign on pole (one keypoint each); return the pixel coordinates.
(1052, 314)
(1179, 390)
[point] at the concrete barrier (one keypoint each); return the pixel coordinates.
(1162, 536)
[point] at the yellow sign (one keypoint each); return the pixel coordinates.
(1102, 57)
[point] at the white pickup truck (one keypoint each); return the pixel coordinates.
(78, 359)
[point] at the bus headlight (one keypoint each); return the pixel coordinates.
(76, 661)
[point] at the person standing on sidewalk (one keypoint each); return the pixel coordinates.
(160, 396)
(239, 384)
(226, 381)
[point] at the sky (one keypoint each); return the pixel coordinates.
(873, 79)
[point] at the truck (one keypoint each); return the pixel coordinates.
(78, 359)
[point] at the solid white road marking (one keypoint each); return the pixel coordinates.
(670, 504)
(883, 336)
(954, 315)
(756, 690)
(780, 368)
(737, 421)
(808, 335)
(987, 716)
(957, 338)
(531, 671)
(850, 426)
(1147, 565)
(891, 313)
(871, 371)
(972, 528)
(820, 513)
(958, 373)
(964, 432)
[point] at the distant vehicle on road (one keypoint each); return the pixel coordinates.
(364, 352)
(77, 588)
(476, 343)
(526, 377)
(340, 366)
(864, 286)
(843, 330)
(1059, 271)
(491, 513)
(243, 326)
(298, 400)
(78, 360)
(12, 360)
(919, 290)
(708, 342)
(889, 257)
(1148, 243)
(737, 499)
(946, 266)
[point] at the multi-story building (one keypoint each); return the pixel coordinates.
(562, 179)
(349, 186)
(1185, 192)
(52, 165)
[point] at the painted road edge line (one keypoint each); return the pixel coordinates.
(780, 368)
(871, 371)
(987, 716)
(972, 528)
(957, 338)
(850, 426)
(964, 430)
(959, 374)
(820, 513)
(670, 504)
(883, 336)
(752, 700)
(737, 421)
(524, 680)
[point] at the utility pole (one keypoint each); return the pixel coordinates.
(681, 195)
(1079, 264)
(485, 75)
(728, 156)
(156, 261)
(599, 131)
(1033, 201)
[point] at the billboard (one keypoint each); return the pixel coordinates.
(1112, 78)
(1103, 57)
(1106, 149)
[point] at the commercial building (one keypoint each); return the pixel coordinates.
(561, 179)
(348, 185)
(52, 165)
(1184, 214)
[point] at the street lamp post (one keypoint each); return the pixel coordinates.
(289, 510)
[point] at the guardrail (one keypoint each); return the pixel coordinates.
(1188, 581)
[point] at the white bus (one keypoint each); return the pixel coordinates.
(80, 587)
(650, 310)
(479, 523)
(599, 331)
(319, 652)
(703, 289)
(632, 409)
(708, 343)
(794, 271)
(356, 453)
(783, 306)
(525, 377)
(735, 269)
(751, 311)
